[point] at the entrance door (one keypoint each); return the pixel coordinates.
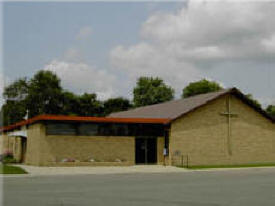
(23, 149)
(146, 150)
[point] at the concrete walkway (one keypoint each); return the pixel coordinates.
(34, 170)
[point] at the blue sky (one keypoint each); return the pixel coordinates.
(104, 47)
(36, 33)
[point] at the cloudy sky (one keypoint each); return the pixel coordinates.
(104, 47)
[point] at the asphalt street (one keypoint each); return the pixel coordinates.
(244, 187)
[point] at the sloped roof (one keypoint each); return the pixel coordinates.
(171, 109)
(177, 108)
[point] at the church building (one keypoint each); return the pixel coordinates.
(218, 128)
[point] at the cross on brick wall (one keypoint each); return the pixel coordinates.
(229, 115)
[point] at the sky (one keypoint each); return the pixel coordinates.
(103, 47)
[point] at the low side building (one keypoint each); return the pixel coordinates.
(69, 141)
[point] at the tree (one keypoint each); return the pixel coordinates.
(271, 110)
(253, 101)
(89, 105)
(14, 109)
(70, 103)
(150, 91)
(18, 90)
(45, 94)
(1, 118)
(116, 105)
(200, 87)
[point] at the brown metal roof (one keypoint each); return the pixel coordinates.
(171, 109)
(177, 108)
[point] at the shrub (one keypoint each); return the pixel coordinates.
(7, 157)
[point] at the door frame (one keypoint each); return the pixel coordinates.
(146, 149)
(23, 149)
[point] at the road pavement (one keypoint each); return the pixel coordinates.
(232, 187)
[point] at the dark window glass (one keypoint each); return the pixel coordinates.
(104, 129)
(119, 129)
(60, 129)
(87, 129)
(132, 129)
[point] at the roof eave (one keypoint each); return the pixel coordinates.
(36, 119)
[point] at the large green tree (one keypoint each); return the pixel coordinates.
(44, 94)
(271, 110)
(81, 105)
(18, 90)
(150, 91)
(14, 108)
(12, 112)
(70, 103)
(89, 105)
(200, 87)
(116, 105)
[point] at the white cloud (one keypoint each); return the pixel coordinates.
(205, 23)
(265, 101)
(146, 60)
(80, 78)
(84, 33)
(180, 46)
(73, 54)
(269, 43)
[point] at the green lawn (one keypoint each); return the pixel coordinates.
(8, 169)
(230, 166)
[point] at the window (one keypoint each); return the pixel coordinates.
(60, 129)
(87, 129)
(104, 129)
(120, 129)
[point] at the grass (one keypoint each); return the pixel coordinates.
(229, 166)
(8, 169)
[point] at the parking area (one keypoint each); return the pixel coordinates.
(232, 187)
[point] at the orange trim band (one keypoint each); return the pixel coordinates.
(85, 119)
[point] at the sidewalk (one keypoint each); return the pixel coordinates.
(37, 171)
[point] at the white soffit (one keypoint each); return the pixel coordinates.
(22, 133)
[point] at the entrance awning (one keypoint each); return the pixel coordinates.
(22, 133)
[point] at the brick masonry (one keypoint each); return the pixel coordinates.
(11, 144)
(201, 137)
(50, 150)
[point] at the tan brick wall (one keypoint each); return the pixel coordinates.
(11, 144)
(47, 150)
(3, 143)
(16, 148)
(201, 136)
(34, 135)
